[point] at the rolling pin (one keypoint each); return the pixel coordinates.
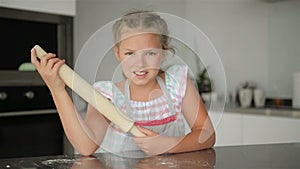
(93, 97)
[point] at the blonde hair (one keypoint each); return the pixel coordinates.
(143, 21)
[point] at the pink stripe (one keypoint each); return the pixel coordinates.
(156, 122)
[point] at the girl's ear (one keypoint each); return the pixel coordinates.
(117, 53)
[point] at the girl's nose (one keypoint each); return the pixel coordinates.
(140, 59)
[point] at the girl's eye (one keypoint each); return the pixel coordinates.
(128, 53)
(151, 53)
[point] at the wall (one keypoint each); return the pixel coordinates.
(284, 40)
(256, 40)
(243, 32)
(239, 31)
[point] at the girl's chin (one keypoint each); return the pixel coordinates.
(139, 80)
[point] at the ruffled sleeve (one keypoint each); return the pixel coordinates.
(105, 88)
(111, 92)
(176, 80)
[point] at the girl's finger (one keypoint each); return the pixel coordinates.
(44, 59)
(52, 62)
(57, 66)
(146, 131)
(34, 59)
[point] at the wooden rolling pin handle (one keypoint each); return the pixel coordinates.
(93, 97)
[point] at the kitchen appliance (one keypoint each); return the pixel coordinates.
(29, 122)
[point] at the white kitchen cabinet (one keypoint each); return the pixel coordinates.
(270, 129)
(63, 7)
(228, 129)
(246, 129)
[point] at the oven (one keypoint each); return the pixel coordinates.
(29, 122)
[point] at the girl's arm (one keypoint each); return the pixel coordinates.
(202, 133)
(82, 135)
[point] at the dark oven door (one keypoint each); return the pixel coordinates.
(29, 123)
(35, 133)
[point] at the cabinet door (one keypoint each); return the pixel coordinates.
(269, 129)
(228, 128)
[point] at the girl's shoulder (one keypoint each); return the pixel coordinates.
(176, 79)
(112, 91)
(176, 73)
(104, 87)
(177, 70)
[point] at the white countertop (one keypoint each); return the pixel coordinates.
(289, 113)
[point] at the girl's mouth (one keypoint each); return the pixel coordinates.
(140, 73)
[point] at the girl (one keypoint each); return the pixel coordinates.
(165, 105)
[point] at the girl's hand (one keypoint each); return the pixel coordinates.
(48, 68)
(153, 143)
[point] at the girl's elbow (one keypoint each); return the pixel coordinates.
(212, 140)
(208, 141)
(87, 151)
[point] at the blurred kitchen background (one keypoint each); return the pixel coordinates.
(258, 42)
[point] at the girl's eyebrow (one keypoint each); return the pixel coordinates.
(131, 50)
(126, 49)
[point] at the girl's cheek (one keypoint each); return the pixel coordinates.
(154, 63)
(127, 66)
(126, 69)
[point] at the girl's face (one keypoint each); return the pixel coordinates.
(140, 56)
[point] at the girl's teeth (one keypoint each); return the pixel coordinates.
(140, 73)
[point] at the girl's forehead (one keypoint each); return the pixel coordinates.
(141, 41)
(130, 32)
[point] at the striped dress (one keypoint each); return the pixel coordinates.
(162, 114)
